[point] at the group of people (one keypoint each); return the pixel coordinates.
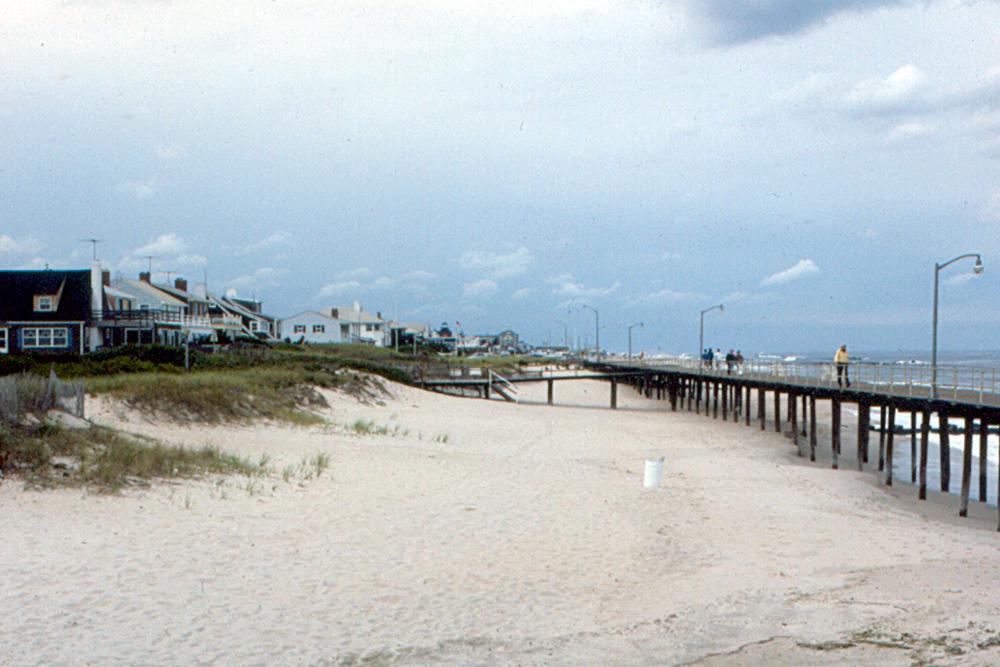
(715, 360)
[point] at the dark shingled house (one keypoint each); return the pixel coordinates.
(50, 311)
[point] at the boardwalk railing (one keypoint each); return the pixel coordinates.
(979, 386)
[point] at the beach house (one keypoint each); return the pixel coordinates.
(249, 312)
(359, 326)
(311, 327)
(51, 311)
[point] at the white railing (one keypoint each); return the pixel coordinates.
(967, 384)
(504, 383)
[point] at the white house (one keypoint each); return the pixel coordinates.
(360, 326)
(311, 327)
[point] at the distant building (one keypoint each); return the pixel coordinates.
(51, 311)
(360, 326)
(311, 327)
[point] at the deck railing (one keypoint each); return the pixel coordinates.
(967, 384)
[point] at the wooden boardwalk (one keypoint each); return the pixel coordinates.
(794, 392)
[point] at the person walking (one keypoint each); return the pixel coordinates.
(730, 361)
(840, 360)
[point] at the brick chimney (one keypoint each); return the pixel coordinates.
(181, 284)
(106, 278)
(144, 276)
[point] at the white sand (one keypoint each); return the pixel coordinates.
(526, 538)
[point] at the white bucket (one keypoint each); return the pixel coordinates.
(654, 473)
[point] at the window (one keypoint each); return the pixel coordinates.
(44, 304)
(319, 328)
(254, 325)
(300, 328)
(368, 327)
(45, 337)
(3, 341)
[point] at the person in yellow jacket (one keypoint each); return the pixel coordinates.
(840, 360)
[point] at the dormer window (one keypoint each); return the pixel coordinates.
(45, 303)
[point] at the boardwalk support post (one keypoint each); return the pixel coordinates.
(966, 468)
(983, 431)
(864, 418)
(614, 394)
(762, 408)
(944, 431)
(835, 431)
(551, 390)
(925, 428)
(888, 445)
(812, 428)
(777, 411)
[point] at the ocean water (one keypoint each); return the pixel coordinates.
(961, 359)
(901, 471)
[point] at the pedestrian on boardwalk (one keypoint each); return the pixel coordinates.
(730, 362)
(840, 360)
(718, 359)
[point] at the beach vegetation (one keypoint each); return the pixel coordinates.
(108, 460)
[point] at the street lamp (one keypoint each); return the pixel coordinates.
(597, 331)
(565, 332)
(631, 326)
(701, 329)
(977, 269)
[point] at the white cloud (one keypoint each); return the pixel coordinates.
(169, 152)
(564, 285)
(521, 293)
(907, 131)
(803, 268)
(960, 279)
(263, 277)
(25, 246)
(665, 296)
(139, 190)
(384, 283)
(419, 276)
(479, 288)
(276, 239)
(189, 260)
(338, 288)
(495, 265)
(733, 297)
(882, 94)
(354, 274)
(165, 244)
(806, 91)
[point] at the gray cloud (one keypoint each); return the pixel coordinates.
(737, 21)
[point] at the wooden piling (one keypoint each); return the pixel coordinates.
(794, 417)
(715, 400)
(983, 431)
(913, 447)
(614, 394)
(944, 450)
(746, 410)
(835, 434)
(881, 437)
(551, 390)
(925, 429)
(888, 445)
(966, 468)
(864, 418)
(761, 408)
(805, 413)
(777, 411)
(812, 428)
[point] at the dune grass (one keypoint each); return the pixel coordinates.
(108, 460)
(284, 393)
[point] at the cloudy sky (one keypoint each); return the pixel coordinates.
(502, 164)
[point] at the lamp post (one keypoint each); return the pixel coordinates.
(565, 332)
(978, 268)
(631, 326)
(597, 331)
(701, 330)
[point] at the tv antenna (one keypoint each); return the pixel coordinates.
(149, 267)
(93, 243)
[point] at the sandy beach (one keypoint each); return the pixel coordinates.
(474, 532)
